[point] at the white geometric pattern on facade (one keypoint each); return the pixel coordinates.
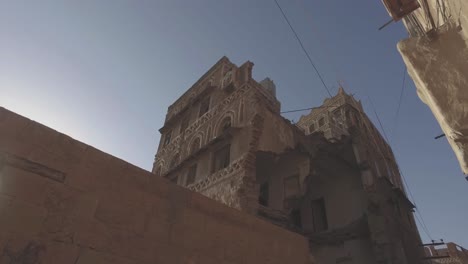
(197, 89)
(175, 144)
(218, 176)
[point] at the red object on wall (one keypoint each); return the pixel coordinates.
(400, 8)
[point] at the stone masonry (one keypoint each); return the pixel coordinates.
(62, 201)
(331, 177)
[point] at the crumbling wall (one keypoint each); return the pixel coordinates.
(62, 201)
(439, 69)
(277, 135)
(438, 65)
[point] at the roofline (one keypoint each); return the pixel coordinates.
(224, 59)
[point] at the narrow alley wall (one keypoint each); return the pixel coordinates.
(438, 65)
(62, 201)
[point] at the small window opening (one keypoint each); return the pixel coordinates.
(296, 218)
(167, 138)
(204, 106)
(319, 215)
(184, 124)
(264, 194)
(312, 128)
(191, 175)
(222, 158)
(321, 122)
(291, 186)
(225, 125)
(174, 161)
(195, 146)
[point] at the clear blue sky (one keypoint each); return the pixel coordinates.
(104, 72)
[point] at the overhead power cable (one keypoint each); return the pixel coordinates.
(423, 227)
(298, 110)
(422, 222)
(403, 85)
(303, 48)
(378, 119)
(310, 108)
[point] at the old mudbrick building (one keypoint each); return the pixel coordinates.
(331, 177)
(447, 253)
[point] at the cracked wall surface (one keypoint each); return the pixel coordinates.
(438, 65)
(62, 201)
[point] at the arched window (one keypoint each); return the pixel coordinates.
(195, 145)
(321, 122)
(204, 106)
(174, 161)
(312, 128)
(227, 78)
(224, 125)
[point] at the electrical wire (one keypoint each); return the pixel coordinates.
(310, 108)
(422, 222)
(423, 225)
(303, 48)
(403, 85)
(298, 110)
(378, 119)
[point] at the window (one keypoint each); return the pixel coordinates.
(227, 78)
(174, 161)
(225, 125)
(204, 106)
(184, 124)
(211, 82)
(312, 128)
(321, 122)
(191, 175)
(296, 218)
(319, 215)
(195, 145)
(264, 194)
(167, 138)
(175, 179)
(222, 158)
(291, 186)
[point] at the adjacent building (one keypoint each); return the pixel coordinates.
(331, 177)
(447, 253)
(435, 54)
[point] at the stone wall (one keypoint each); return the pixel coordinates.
(62, 201)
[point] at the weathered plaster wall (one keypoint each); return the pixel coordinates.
(278, 135)
(275, 170)
(62, 201)
(439, 68)
(394, 233)
(343, 194)
(355, 251)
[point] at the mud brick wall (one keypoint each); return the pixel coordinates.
(62, 201)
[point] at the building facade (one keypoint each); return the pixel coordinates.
(331, 177)
(435, 54)
(447, 253)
